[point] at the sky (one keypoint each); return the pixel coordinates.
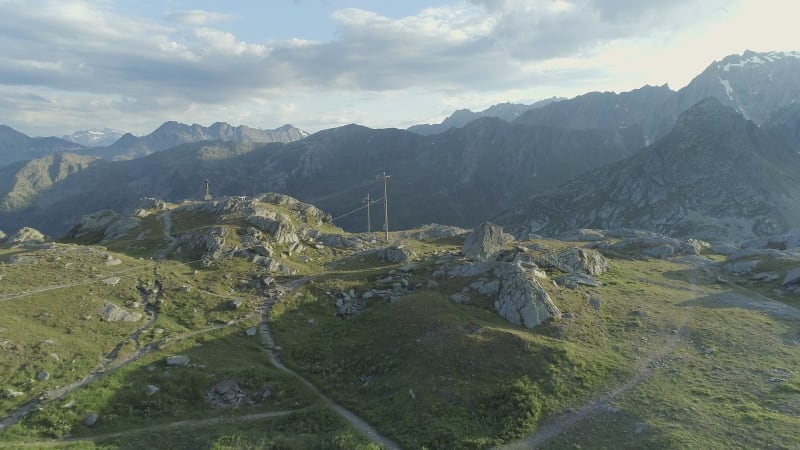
(131, 65)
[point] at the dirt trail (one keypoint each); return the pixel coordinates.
(556, 426)
(156, 428)
(272, 351)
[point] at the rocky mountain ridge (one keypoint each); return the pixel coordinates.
(715, 176)
(16, 146)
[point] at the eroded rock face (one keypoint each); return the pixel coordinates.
(486, 241)
(93, 223)
(521, 299)
(276, 224)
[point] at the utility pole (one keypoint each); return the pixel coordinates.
(385, 204)
(369, 224)
(206, 192)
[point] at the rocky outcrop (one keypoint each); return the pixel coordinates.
(435, 231)
(521, 299)
(278, 225)
(226, 394)
(395, 254)
(486, 241)
(113, 313)
(110, 224)
(581, 260)
(25, 236)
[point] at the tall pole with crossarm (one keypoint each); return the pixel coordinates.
(385, 204)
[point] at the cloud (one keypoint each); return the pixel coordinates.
(86, 49)
(199, 17)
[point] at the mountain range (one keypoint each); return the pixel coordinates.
(16, 146)
(526, 172)
(94, 137)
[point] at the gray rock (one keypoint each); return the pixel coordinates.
(469, 270)
(432, 284)
(251, 331)
(43, 375)
(582, 260)
(488, 288)
(582, 235)
(764, 277)
(178, 360)
(486, 241)
(741, 267)
(113, 313)
(25, 235)
(151, 389)
(395, 254)
(90, 419)
(522, 300)
(460, 298)
(368, 295)
(278, 225)
(660, 251)
(111, 281)
(595, 302)
(235, 303)
(226, 394)
(574, 279)
(10, 393)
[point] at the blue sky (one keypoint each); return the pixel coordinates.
(67, 65)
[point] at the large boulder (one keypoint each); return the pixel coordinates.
(113, 313)
(486, 241)
(226, 394)
(521, 299)
(395, 254)
(582, 260)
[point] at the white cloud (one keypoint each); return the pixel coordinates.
(86, 54)
(199, 17)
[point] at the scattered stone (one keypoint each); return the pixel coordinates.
(25, 235)
(90, 419)
(741, 267)
(486, 241)
(250, 332)
(43, 375)
(113, 261)
(10, 393)
(709, 351)
(226, 394)
(368, 295)
(113, 313)
(264, 393)
(178, 360)
(235, 303)
(151, 389)
(595, 302)
(460, 298)
(111, 281)
(68, 404)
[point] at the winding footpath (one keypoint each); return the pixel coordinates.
(271, 349)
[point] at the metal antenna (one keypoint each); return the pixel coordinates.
(385, 204)
(369, 224)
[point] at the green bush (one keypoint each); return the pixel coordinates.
(515, 408)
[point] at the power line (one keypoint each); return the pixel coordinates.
(357, 209)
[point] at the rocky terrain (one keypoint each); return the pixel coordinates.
(148, 320)
(715, 176)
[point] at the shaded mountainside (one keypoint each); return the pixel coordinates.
(755, 84)
(16, 146)
(459, 177)
(171, 134)
(460, 118)
(715, 176)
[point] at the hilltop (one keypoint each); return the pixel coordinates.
(171, 315)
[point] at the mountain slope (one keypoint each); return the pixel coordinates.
(171, 134)
(715, 176)
(95, 137)
(460, 118)
(463, 176)
(16, 146)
